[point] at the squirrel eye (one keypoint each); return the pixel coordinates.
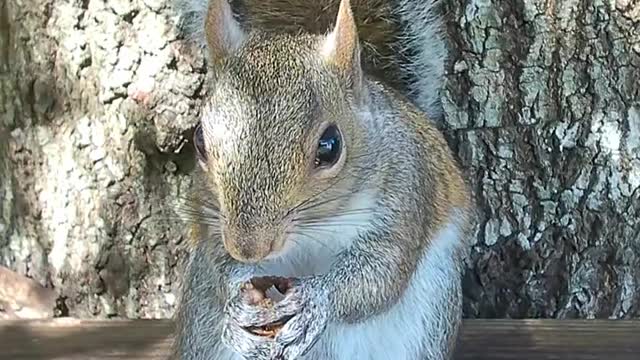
(329, 147)
(198, 141)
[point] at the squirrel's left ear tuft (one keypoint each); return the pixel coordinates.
(341, 47)
(222, 31)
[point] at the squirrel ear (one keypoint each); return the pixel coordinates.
(222, 32)
(341, 48)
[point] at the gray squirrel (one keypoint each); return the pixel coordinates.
(331, 220)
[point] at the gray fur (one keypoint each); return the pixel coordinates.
(423, 36)
(191, 15)
(367, 278)
(373, 269)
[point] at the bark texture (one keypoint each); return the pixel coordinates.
(542, 102)
(98, 100)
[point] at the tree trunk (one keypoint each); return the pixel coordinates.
(542, 101)
(99, 100)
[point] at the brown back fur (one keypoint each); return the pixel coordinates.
(379, 29)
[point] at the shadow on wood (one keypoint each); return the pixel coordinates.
(480, 339)
(84, 339)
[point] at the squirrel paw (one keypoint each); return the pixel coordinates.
(303, 310)
(309, 302)
(243, 342)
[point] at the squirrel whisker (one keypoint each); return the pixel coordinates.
(326, 201)
(334, 218)
(308, 236)
(301, 206)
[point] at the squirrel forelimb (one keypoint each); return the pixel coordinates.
(312, 302)
(304, 310)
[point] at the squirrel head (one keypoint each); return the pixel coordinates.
(279, 137)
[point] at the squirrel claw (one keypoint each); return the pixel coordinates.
(299, 334)
(302, 331)
(248, 345)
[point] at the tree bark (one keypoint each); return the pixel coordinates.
(542, 105)
(99, 100)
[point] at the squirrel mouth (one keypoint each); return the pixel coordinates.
(279, 248)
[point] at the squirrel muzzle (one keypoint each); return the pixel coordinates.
(251, 245)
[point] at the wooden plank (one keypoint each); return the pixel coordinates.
(550, 339)
(480, 339)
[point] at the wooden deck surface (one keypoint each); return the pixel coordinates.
(480, 339)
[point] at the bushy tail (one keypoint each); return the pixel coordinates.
(191, 15)
(424, 37)
(402, 39)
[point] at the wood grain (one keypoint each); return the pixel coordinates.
(480, 339)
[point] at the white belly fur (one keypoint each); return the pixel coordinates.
(416, 320)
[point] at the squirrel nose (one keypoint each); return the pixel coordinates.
(248, 247)
(249, 254)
